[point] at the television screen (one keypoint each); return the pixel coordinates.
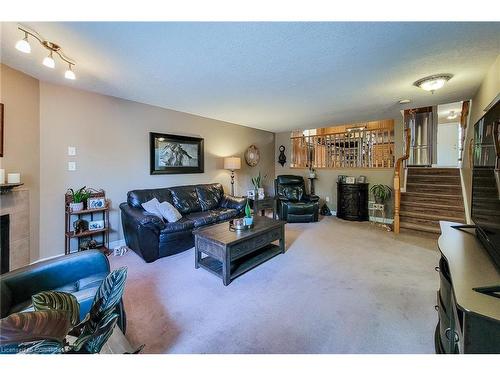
(486, 181)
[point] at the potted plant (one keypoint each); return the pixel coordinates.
(55, 327)
(257, 185)
(77, 198)
(248, 214)
(381, 193)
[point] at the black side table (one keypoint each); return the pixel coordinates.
(263, 204)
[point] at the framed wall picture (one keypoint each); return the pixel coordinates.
(1, 129)
(95, 203)
(96, 225)
(175, 154)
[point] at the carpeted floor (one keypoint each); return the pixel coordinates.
(341, 287)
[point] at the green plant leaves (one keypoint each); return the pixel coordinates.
(33, 326)
(98, 325)
(53, 300)
(111, 289)
(45, 330)
(94, 341)
(381, 192)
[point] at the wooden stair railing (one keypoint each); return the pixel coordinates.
(397, 179)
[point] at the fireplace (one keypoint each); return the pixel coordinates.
(4, 243)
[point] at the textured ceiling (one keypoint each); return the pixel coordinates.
(273, 76)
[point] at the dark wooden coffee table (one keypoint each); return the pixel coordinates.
(229, 254)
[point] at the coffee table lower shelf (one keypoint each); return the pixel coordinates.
(241, 265)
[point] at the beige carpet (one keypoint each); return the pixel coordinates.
(341, 287)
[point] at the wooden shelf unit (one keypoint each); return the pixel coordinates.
(89, 215)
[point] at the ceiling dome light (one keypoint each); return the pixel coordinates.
(49, 61)
(69, 74)
(404, 101)
(433, 83)
(23, 45)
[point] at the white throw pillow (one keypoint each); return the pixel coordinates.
(169, 212)
(152, 207)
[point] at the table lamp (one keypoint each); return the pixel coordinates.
(232, 163)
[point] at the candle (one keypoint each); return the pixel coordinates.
(2, 176)
(14, 178)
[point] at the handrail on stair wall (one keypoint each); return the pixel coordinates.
(397, 179)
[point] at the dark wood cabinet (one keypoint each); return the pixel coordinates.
(352, 201)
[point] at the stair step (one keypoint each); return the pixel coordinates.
(433, 188)
(434, 171)
(437, 210)
(437, 180)
(428, 216)
(420, 228)
(442, 199)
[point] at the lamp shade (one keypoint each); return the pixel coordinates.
(232, 163)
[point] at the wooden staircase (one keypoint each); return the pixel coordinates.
(432, 194)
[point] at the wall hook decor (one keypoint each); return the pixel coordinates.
(282, 156)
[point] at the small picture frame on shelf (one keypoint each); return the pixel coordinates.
(350, 180)
(361, 180)
(341, 178)
(251, 194)
(96, 203)
(96, 225)
(261, 193)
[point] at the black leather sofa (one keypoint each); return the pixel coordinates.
(200, 205)
(293, 204)
(80, 274)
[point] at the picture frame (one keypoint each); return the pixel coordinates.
(361, 180)
(175, 154)
(96, 203)
(96, 225)
(350, 180)
(1, 129)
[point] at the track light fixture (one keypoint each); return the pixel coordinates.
(49, 61)
(69, 74)
(24, 46)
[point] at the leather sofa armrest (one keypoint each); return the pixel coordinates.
(237, 203)
(311, 198)
(142, 218)
(50, 274)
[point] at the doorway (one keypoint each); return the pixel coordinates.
(448, 134)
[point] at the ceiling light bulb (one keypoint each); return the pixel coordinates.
(23, 45)
(49, 61)
(69, 74)
(433, 83)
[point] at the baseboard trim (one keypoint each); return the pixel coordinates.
(116, 244)
(372, 218)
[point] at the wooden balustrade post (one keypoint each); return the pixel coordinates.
(397, 180)
(397, 201)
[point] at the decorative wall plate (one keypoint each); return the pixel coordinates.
(252, 156)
